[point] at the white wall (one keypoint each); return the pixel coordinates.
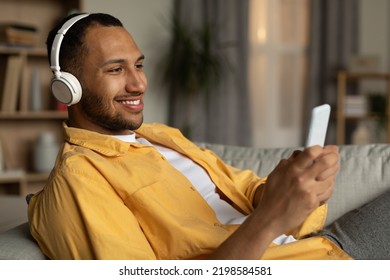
(375, 30)
(147, 21)
(374, 40)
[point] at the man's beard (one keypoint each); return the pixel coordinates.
(98, 111)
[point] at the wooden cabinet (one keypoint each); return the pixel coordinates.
(26, 119)
(346, 80)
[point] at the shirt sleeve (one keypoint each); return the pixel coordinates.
(87, 219)
(246, 181)
(239, 185)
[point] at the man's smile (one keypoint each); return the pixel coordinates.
(134, 104)
(130, 102)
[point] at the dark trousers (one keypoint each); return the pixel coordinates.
(364, 233)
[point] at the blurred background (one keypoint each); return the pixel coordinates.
(268, 63)
(237, 72)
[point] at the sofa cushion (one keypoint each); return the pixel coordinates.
(364, 174)
(18, 244)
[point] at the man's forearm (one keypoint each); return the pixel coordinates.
(249, 241)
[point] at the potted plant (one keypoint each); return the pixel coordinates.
(192, 66)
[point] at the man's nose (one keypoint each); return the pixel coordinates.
(136, 81)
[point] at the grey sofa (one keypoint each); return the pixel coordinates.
(365, 173)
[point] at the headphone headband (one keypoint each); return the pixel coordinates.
(55, 49)
(65, 87)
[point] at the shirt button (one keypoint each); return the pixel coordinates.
(330, 253)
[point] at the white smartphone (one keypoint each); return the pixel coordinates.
(318, 125)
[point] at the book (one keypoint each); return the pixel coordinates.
(7, 85)
(355, 105)
(18, 34)
(3, 70)
(24, 98)
(11, 83)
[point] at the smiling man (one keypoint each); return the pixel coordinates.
(122, 189)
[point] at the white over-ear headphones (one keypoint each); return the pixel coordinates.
(65, 87)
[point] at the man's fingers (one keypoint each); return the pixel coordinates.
(306, 158)
(331, 171)
(327, 190)
(326, 165)
(294, 154)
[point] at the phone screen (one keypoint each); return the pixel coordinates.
(318, 125)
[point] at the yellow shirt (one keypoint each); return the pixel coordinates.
(107, 199)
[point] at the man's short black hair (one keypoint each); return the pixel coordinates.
(72, 44)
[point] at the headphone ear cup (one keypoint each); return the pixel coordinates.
(66, 88)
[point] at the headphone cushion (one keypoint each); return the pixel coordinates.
(66, 88)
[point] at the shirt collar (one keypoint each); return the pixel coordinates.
(106, 144)
(101, 143)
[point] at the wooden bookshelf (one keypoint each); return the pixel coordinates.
(20, 127)
(343, 79)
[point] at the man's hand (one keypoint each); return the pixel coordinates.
(293, 190)
(298, 185)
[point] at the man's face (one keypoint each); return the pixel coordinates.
(113, 82)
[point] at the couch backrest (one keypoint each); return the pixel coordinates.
(364, 170)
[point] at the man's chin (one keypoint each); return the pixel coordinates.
(120, 124)
(133, 125)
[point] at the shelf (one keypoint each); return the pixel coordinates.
(374, 117)
(29, 51)
(367, 75)
(18, 176)
(343, 79)
(43, 115)
(18, 182)
(14, 176)
(36, 177)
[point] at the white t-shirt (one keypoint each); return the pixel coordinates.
(199, 178)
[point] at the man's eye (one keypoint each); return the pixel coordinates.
(139, 66)
(116, 70)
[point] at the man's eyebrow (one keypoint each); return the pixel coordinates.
(121, 60)
(113, 61)
(141, 57)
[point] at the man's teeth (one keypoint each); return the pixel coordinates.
(131, 102)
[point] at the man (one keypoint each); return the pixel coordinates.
(121, 189)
